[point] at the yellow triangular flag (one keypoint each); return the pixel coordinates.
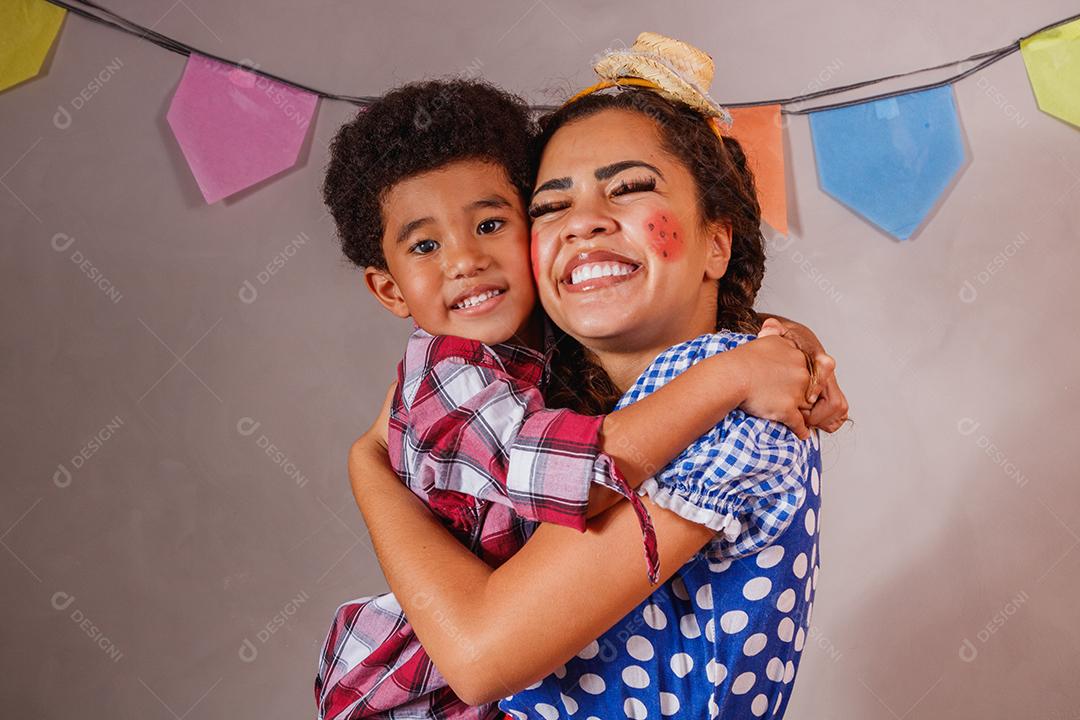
(27, 31)
(1052, 58)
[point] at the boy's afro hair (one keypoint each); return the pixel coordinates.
(411, 130)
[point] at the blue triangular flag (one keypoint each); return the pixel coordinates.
(889, 160)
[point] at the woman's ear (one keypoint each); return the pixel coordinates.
(717, 249)
(385, 289)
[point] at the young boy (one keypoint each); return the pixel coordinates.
(428, 188)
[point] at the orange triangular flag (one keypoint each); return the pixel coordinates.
(758, 129)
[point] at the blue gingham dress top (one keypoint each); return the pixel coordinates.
(722, 638)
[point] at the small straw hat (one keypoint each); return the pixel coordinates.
(678, 70)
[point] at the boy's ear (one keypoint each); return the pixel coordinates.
(717, 249)
(382, 285)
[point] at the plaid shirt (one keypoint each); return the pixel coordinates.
(470, 435)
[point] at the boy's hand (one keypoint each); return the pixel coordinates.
(830, 406)
(778, 378)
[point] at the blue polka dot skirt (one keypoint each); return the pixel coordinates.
(720, 639)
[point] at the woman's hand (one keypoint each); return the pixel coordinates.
(829, 405)
(378, 429)
(373, 441)
(777, 376)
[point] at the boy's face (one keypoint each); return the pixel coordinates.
(456, 243)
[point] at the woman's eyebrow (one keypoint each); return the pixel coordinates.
(563, 183)
(603, 173)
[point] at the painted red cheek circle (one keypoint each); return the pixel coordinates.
(665, 236)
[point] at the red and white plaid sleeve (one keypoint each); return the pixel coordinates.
(373, 666)
(478, 427)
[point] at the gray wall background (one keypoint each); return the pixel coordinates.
(950, 564)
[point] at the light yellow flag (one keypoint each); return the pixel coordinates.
(1052, 58)
(27, 31)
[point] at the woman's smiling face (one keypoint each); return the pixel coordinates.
(621, 256)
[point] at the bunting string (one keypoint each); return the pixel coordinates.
(987, 58)
(888, 156)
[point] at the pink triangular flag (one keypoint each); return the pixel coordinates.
(235, 127)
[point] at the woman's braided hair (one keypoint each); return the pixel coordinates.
(726, 191)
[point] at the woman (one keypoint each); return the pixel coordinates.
(638, 179)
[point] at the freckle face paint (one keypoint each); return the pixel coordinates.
(665, 236)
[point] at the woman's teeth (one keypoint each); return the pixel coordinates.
(597, 270)
(474, 300)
